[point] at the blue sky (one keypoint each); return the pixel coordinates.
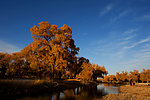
(113, 33)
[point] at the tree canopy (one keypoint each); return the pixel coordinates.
(135, 76)
(52, 54)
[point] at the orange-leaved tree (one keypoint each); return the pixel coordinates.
(53, 49)
(99, 71)
(121, 77)
(145, 75)
(87, 73)
(134, 75)
(91, 71)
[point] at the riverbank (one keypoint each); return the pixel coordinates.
(77, 89)
(20, 88)
(130, 93)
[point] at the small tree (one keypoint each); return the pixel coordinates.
(91, 71)
(145, 75)
(122, 77)
(135, 75)
(87, 72)
(99, 71)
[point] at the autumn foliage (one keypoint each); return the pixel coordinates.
(135, 75)
(145, 75)
(52, 54)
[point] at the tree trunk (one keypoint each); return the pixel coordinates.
(53, 73)
(40, 75)
(59, 74)
(3, 71)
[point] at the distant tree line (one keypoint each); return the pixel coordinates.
(135, 76)
(52, 54)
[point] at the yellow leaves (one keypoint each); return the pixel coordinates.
(34, 65)
(90, 71)
(87, 72)
(54, 29)
(61, 64)
(109, 78)
(34, 31)
(44, 25)
(41, 30)
(43, 49)
(145, 75)
(4, 59)
(65, 28)
(44, 34)
(133, 75)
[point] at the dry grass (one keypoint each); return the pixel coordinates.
(130, 93)
(125, 96)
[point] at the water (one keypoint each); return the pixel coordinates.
(87, 92)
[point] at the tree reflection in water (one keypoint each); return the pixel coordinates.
(86, 92)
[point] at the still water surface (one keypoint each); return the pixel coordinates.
(81, 93)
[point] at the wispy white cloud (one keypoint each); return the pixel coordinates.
(121, 52)
(135, 59)
(130, 37)
(107, 9)
(140, 59)
(137, 43)
(123, 13)
(144, 40)
(130, 31)
(143, 18)
(7, 47)
(127, 36)
(124, 43)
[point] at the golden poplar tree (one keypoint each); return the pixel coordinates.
(53, 49)
(145, 75)
(134, 75)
